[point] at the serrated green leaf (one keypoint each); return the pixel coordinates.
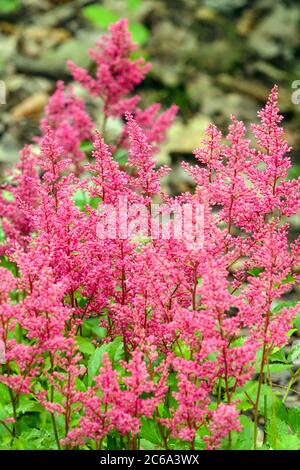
(85, 345)
(294, 352)
(91, 325)
(279, 305)
(150, 431)
(95, 360)
(26, 405)
(288, 442)
(278, 356)
(293, 419)
(277, 368)
(244, 439)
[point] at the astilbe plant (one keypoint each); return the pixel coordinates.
(143, 342)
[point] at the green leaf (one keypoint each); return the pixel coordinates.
(99, 15)
(113, 441)
(277, 368)
(291, 332)
(279, 305)
(297, 322)
(288, 442)
(19, 443)
(27, 405)
(81, 199)
(94, 202)
(133, 4)
(294, 352)
(294, 419)
(289, 278)
(146, 445)
(150, 432)
(140, 33)
(5, 263)
(85, 345)
(86, 146)
(2, 234)
(7, 195)
(4, 394)
(80, 385)
(9, 6)
(281, 429)
(244, 439)
(95, 360)
(278, 355)
(82, 301)
(121, 156)
(255, 272)
(250, 390)
(91, 325)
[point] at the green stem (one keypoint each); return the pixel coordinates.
(260, 380)
(13, 400)
(290, 384)
(55, 431)
(52, 400)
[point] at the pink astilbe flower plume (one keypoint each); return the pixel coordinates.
(116, 74)
(65, 114)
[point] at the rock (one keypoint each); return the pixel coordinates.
(53, 62)
(217, 56)
(171, 48)
(9, 149)
(8, 46)
(35, 40)
(60, 14)
(255, 90)
(206, 14)
(31, 107)
(276, 33)
(20, 88)
(184, 138)
(246, 22)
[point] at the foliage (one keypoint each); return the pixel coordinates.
(103, 17)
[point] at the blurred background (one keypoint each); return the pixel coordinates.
(213, 58)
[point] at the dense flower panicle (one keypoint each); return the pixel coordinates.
(116, 74)
(141, 158)
(65, 114)
(182, 323)
(224, 420)
(110, 182)
(154, 124)
(117, 408)
(15, 220)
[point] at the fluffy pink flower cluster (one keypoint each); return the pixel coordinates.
(116, 73)
(185, 322)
